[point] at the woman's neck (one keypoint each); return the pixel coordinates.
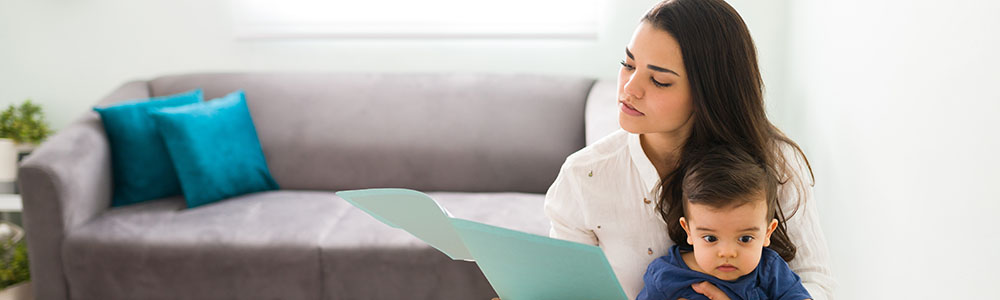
(663, 149)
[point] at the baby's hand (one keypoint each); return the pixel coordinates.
(710, 291)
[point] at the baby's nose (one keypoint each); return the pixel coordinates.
(727, 252)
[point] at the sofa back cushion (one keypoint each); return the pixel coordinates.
(431, 132)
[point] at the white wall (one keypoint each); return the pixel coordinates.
(899, 105)
(68, 54)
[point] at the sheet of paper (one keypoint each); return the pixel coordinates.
(519, 265)
(524, 266)
(414, 212)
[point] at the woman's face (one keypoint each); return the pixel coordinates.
(654, 95)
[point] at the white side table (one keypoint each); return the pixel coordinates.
(9, 203)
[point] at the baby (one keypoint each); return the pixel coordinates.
(728, 212)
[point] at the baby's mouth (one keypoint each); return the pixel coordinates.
(726, 268)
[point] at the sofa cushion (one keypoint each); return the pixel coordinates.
(215, 149)
(430, 132)
(141, 167)
(366, 259)
(279, 245)
(259, 246)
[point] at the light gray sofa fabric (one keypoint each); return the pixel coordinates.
(258, 246)
(438, 132)
(465, 134)
(395, 258)
(64, 184)
(279, 245)
(602, 110)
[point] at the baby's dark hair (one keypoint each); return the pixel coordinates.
(723, 176)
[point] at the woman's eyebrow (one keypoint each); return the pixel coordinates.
(651, 67)
(661, 69)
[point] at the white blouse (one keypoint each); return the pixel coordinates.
(606, 194)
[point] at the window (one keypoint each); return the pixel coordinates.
(416, 18)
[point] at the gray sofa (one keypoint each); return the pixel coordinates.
(486, 146)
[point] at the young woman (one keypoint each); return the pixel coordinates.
(689, 79)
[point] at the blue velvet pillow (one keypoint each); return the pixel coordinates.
(140, 166)
(215, 149)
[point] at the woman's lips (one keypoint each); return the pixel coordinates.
(629, 110)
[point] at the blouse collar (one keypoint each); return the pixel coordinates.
(647, 172)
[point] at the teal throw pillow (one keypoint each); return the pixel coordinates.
(140, 166)
(215, 149)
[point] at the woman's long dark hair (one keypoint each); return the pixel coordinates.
(727, 95)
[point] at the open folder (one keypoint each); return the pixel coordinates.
(519, 265)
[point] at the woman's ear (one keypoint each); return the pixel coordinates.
(770, 229)
(684, 224)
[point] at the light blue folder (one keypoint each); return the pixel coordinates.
(519, 265)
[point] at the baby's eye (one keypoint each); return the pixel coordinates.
(746, 239)
(710, 238)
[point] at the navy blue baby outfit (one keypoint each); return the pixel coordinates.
(668, 277)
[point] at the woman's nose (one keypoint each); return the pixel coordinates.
(632, 88)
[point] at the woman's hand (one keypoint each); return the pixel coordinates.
(709, 290)
(704, 288)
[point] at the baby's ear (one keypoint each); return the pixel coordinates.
(684, 224)
(770, 229)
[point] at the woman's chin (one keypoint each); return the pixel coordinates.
(628, 125)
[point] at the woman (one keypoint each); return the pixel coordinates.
(689, 79)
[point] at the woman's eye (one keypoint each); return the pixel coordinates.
(657, 83)
(710, 238)
(746, 239)
(627, 66)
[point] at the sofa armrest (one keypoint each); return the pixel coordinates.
(64, 183)
(602, 110)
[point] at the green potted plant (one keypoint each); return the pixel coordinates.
(22, 127)
(24, 124)
(14, 275)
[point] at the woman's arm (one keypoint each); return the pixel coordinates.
(812, 260)
(564, 209)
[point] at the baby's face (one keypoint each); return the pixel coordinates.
(727, 242)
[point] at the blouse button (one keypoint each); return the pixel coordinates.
(644, 200)
(650, 251)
